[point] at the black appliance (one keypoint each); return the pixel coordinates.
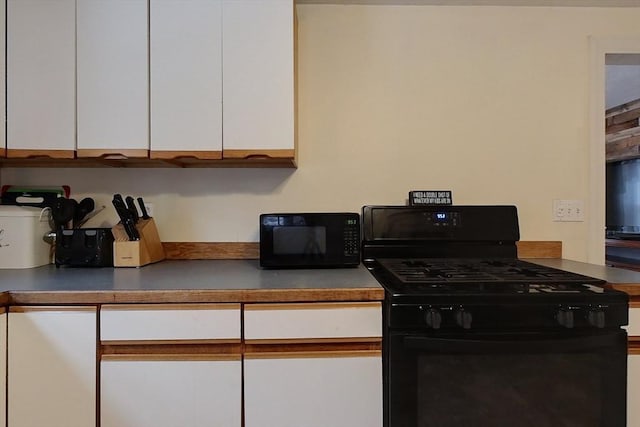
(84, 247)
(474, 336)
(308, 240)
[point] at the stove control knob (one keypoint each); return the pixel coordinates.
(433, 318)
(463, 318)
(596, 318)
(565, 318)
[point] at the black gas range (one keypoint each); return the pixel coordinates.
(464, 319)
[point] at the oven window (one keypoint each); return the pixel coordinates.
(509, 390)
(299, 240)
(516, 382)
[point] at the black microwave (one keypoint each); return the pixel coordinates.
(309, 240)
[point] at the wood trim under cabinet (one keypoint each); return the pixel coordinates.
(251, 250)
(12, 153)
(259, 154)
(634, 346)
(107, 154)
(181, 155)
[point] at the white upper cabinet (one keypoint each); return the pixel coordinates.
(258, 78)
(186, 78)
(113, 78)
(41, 78)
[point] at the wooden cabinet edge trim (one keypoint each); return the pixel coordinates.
(313, 354)
(332, 340)
(169, 306)
(539, 249)
(13, 153)
(213, 341)
(178, 155)
(27, 309)
(312, 306)
(170, 357)
(634, 302)
(251, 250)
(634, 348)
(105, 153)
(259, 154)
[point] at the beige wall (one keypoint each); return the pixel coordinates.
(490, 102)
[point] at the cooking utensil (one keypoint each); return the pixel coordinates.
(63, 211)
(85, 206)
(91, 215)
(143, 208)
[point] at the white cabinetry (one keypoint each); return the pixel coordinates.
(3, 368)
(186, 78)
(150, 390)
(633, 390)
(3, 105)
(323, 375)
(171, 365)
(113, 78)
(258, 83)
(52, 367)
(41, 78)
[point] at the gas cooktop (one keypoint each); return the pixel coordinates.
(471, 270)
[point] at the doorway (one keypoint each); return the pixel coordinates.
(616, 48)
(622, 170)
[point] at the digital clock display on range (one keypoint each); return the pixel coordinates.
(441, 216)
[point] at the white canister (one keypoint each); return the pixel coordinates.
(21, 237)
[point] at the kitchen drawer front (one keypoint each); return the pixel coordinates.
(170, 322)
(312, 321)
(634, 322)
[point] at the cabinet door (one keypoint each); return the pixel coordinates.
(52, 367)
(633, 390)
(112, 61)
(186, 78)
(3, 105)
(3, 369)
(258, 82)
(41, 78)
(313, 390)
(167, 393)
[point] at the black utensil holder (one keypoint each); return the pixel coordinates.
(84, 247)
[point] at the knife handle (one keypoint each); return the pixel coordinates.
(143, 209)
(132, 208)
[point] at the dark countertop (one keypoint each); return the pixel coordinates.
(187, 281)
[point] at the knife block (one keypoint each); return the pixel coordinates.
(136, 253)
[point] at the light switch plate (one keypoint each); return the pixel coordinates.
(568, 210)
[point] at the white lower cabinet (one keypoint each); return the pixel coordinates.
(313, 391)
(313, 365)
(51, 367)
(169, 392)
(633, 390)
(170, 365)
(3, 368)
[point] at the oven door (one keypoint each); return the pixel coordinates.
(498, 380)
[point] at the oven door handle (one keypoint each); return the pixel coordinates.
(616, 339)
